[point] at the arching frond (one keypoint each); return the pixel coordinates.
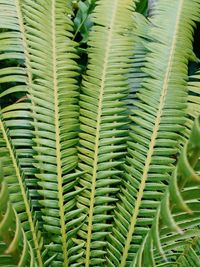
(157, 126)
(102, 121)
(54, 96)
(178, 216)
(15, 249)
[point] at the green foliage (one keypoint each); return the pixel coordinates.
(142, 7)
(157, 126)
(191, 253)
(14, 247)
(178, 213)
(102, 139)
(82, 20)
(96, 106)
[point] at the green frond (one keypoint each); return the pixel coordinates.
(176, 223)
(54, 98)
(190, 255)
(88, 146)
(16, 79)
(102, 123)
(158, 122)
(142, 6)
(15, 249)
(16, 125)
(14, 177)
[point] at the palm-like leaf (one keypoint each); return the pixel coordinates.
(15, 249)
(55, 112)
(178, 216)
(158, 123)
(102, 121)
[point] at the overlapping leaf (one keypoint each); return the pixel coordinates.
(54, 96)
(190, 255)
(102, 122)
(15, 80)
(37, 56)
(16, 154)
(176, 223)
(194, 93)
(158, 123)
(19, 196)
(15, 249)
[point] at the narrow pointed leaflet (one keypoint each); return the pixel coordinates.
(55, 113)
(158, 122)
(102, 123)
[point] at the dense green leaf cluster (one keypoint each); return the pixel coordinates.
(99, 133)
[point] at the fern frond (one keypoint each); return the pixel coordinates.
(16, 79)
(54, 97)
(19, 196)
(15, 249)
(178, 216)
(157, 124)
(102, 122)
(190, 255)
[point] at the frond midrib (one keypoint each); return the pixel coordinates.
(58, 141)
(27, 63)
(152, 142)
(29, 82)
(97, 139)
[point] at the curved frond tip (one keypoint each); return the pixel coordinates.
(175, 228)
(14, 245)
(19, 196)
